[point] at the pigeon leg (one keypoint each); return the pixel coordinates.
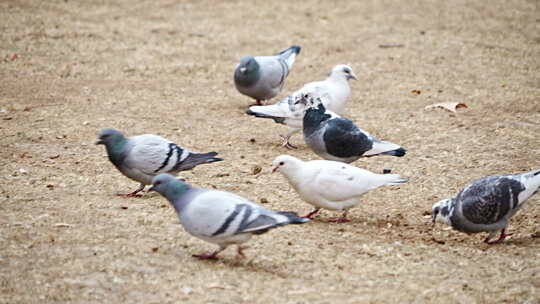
(209, 256)
(240, 252)
(501, 238)
(257, 103)
(312, 213)
(134, 193)
(286, 142)
(286, 138)
(342, 219)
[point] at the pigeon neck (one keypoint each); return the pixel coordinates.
(250, 76)
(294, 174)
(115, 150)
(175, 194)
(314, 117)
(338, 79)
(447, 210)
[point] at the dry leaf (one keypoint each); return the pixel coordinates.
(256, 170)
(450, 106)
(62, 225)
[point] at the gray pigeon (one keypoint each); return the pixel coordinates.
(486, 204)
(263, 77)
(333, 137)
(145, 156)
(334, 92)
(219, 217)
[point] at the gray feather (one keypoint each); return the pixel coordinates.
(263, 77)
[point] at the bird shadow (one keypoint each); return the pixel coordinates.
(251, 265)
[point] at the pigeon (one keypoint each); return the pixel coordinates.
(145, 156)
(333, 137)
(263, 77)
(486, 204)
(333, 91)
(219, 217)
(329, 184)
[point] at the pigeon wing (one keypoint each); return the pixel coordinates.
(151, 154)
(490, 199)
(336, 181)
(343, 138)
(222, 214)
(274, 71)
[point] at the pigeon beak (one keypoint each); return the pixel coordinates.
(99, 142)
(243, 70)
(274, 169)
(151, 189)
(301, 100)
(352, 76)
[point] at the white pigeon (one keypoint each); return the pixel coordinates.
(145, 156)
(263, 77)
(487, 204)
(219, 217)
(329, 184)
(334, 92)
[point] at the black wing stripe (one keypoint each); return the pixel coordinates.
(284, 71)
(179, 159)
(229, 220)
(166, 161)
(245, 219)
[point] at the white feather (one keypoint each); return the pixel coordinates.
(330, 184)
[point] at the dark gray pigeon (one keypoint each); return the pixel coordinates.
(219, 217)
(145, 156)
(333, 137)
(263, 77)
(486, 204)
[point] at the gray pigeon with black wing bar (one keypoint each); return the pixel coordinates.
(333, 137)
(487, 204)
(219, 217)
(145, 156)
(263, 77)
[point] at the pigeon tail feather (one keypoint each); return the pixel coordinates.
(195, 159)
(289, 54)
(398, 152)
(262, 115)
(293, 217)
(395, 179)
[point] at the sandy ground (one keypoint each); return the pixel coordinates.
(69, 68)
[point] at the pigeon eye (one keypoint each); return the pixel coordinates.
(281, 163)
(157, 183)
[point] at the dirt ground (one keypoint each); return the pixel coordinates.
(69, 68)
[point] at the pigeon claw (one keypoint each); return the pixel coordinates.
(339, 220)
(342, 219)
(240, 252)
(286, 143)
(206, 256)
(132, 194)
(311, 214)
(501, 238)
(258, 102)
